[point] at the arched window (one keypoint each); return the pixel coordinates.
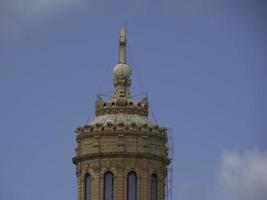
(153, 187)
(108, 186)
(131, 186)
(88, 186)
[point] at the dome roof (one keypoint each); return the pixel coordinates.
(122, 70)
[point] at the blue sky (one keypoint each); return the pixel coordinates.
(202, 62)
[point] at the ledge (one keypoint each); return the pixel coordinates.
(147, 156)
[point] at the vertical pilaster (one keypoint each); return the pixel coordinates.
(79, 192)
(144, 184)
(119, 187)
(96, 185)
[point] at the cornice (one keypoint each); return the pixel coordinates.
(92, 130)
(122, 105)
(147, 156)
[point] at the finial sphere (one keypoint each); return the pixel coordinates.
(122, 70)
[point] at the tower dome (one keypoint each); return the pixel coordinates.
(121, 154)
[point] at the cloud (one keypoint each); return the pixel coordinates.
(37, 7)
(242, 176)
(15, 12)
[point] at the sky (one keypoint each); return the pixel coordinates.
(202, 62)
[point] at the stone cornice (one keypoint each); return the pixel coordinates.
(120, 127)
(122, 105)
(139, 156)
(91, 130)
(157, 136)
(122, 109)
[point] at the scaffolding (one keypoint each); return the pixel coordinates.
(169, 183)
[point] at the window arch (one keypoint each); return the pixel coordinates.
(88, 187)
(131, 186)
(153, 187)
(108, 186)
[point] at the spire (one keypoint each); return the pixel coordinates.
(122, 50)
(122, 71)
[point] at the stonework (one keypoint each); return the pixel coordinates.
(121, 139)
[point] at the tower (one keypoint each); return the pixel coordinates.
(121, 154)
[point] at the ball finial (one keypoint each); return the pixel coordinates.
(122, 70)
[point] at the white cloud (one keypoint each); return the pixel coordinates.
(15, 12)
(243, 176)
(29, 7)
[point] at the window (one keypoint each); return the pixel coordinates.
(88, 185)
(108, 186)
(153, 187)
(131, 186)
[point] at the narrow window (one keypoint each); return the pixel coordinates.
(153, 187)
(131, 186)
(108, 186)
(88, 185)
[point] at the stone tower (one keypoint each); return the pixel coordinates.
(121, 154)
